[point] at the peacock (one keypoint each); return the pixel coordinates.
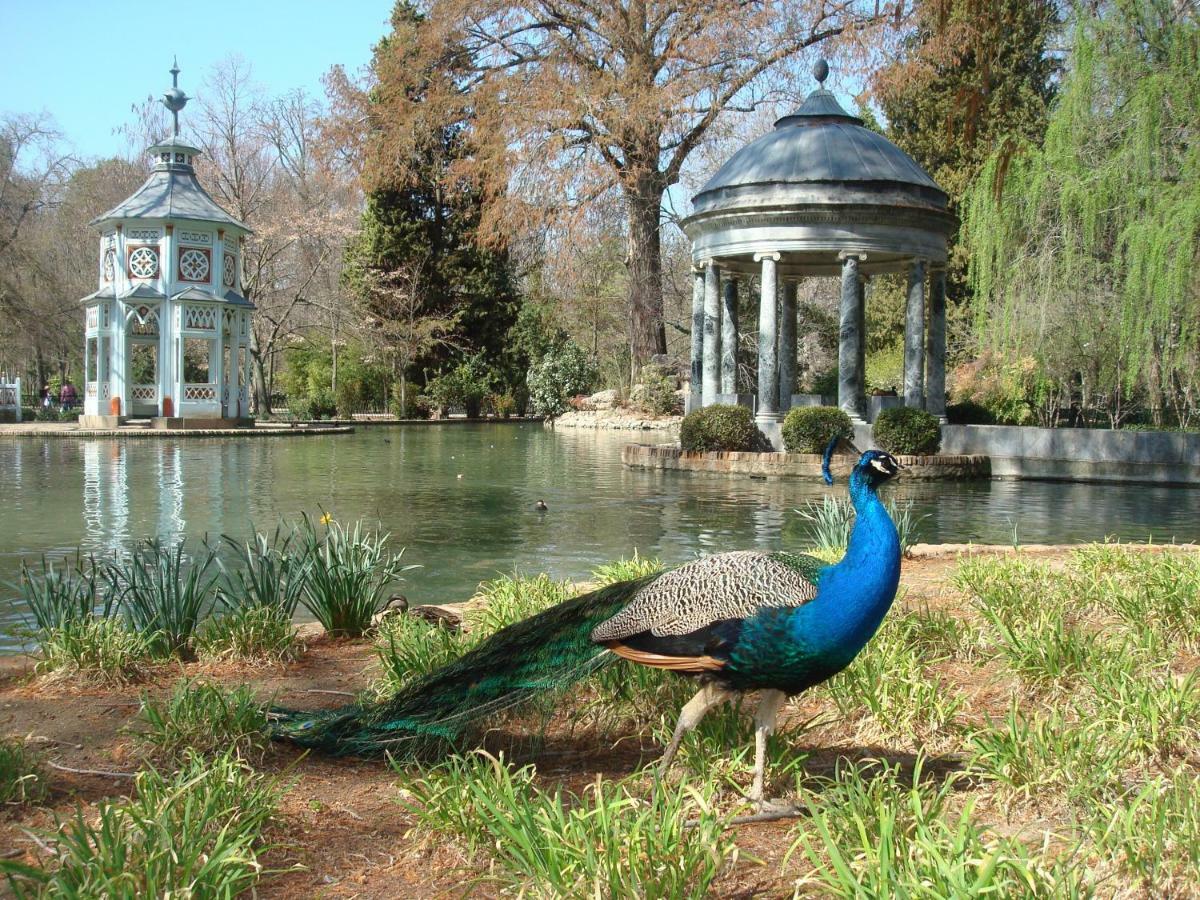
(772, 622)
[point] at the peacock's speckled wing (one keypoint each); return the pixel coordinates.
(723, 587)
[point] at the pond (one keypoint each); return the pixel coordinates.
(461, 500)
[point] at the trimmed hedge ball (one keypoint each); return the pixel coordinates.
(907, 431)
(809, 429)
(721, 427)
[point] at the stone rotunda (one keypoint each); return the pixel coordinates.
(167, 333)
(819, 196)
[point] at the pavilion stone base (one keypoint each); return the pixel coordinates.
(177, 423)
(102, 421)
(773, 430)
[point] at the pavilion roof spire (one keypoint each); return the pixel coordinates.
(175, 99)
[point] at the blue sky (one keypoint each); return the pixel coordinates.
(87, 63)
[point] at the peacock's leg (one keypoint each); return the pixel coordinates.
(764, 724)
(689, 717)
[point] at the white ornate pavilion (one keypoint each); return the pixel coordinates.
(167, 332)
(820, 195)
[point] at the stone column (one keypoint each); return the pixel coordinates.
(729, 337)
(787, 345)
(914, 337)
(935, 362)
(850, 386)
(712, 339)
(768, 363)
(861, 352)
(697, 373)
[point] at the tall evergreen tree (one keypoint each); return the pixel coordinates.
(417, 257)
(976, 72)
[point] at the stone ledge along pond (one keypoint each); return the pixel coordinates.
(461, 502)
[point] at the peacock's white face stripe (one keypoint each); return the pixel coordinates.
(879, 466)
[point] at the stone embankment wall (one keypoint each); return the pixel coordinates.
(793, 465)
(617, 420)
(1074, 454)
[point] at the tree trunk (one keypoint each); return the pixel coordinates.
(262, 396)
(647, 334)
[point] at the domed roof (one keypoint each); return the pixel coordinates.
(817, 187)
(819, 143)
(171, 192)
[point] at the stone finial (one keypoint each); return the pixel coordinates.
(821, 71)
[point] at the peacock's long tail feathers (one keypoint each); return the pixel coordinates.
(545, 652)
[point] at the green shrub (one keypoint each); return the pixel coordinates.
(884, 369)
(721, 427)
(69, 415)
(47, 414)
(21, 778)
(204, 719)
(413, 407)
(968, 412)
(908, 431)
(465, 385)
(809, 429)
(655, 393)
(501, 405)
(193, 833)
(562, 373)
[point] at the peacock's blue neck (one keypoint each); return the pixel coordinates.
(854, 595)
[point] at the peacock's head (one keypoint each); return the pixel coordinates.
(873, 467)
(876, 467)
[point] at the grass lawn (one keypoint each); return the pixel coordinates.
(1025, 724)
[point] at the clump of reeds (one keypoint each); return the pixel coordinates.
(829, 523)
(21, 777)
(195, 832)
(350, 575)
(604, 842)
(205, 719)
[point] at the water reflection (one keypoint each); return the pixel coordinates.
(461, 499)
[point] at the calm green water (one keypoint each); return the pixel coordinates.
(460, 500)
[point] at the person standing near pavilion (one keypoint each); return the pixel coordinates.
(67, 395)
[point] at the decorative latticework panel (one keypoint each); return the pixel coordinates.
(143, 262)
(145, 322)
(93, 318)
(195, 237)
(229, 272)
(143, 234)
(200, 318)
(193, 264)
(199, 392)
(146, 393)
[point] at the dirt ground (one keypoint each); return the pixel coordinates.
(342, 828)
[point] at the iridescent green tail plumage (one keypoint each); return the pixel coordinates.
(546, 652)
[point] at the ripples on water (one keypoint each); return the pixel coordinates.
(56, 495)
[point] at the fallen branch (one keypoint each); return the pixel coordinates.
(102, 772)
(770, 814)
